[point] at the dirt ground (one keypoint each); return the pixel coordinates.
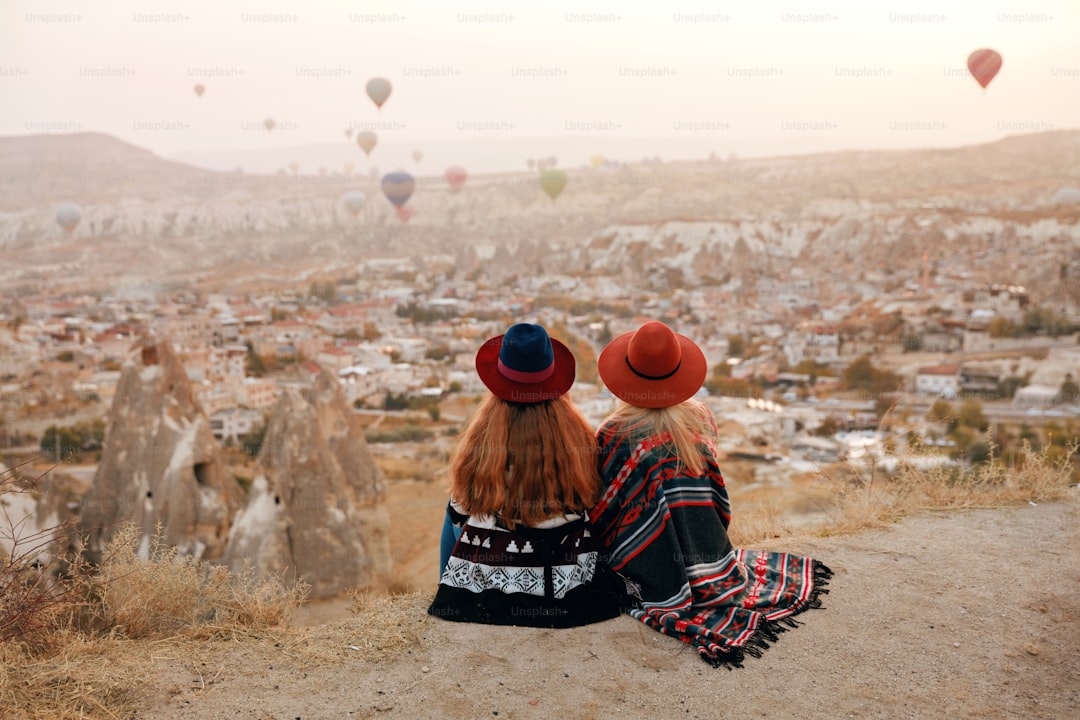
(972, 614)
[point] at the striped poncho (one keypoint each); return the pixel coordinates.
(666, 531)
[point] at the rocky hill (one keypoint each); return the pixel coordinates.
(144, 215)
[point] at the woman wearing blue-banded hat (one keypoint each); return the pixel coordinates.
(523, 476)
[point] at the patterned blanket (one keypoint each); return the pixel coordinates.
(665, 530)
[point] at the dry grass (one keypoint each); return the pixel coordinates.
(80, 676)
(90, 654)
(872, 498)
(383, 625)
(79, 659)
(749, 526)
(169, 594)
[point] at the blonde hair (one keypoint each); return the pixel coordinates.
(525, 462)
(689, 425)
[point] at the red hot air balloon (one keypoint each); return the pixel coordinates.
(405, 212)
(984, 65)
(199, 90)
(456, 176)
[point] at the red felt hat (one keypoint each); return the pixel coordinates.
(525, 365)
(653, 367)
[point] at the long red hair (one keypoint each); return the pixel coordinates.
(525, 462)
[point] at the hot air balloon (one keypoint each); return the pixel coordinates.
(984, 65)
(1067, 196)
(67, 216)
(456, 176)
(354, 201)
(378, 89)
(366, 140)
(596, 160)
(553, 182)
(417, 155)
(348, 132)
(348, 168)
(398, 187)
(199, 90)
(405, 212)
(295, 167)
(269, 124)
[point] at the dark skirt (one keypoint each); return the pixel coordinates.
(552, 578)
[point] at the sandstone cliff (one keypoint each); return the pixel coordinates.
(314, 511)
(161, 464)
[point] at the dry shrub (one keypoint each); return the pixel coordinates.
(765, 521)
(80, 677)
(873, 499)
(383, 625)
(42, 587)
(163, 593)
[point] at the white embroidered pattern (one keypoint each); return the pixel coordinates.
(477, 577)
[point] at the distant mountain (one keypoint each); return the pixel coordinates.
(89, 168)
(143, 215)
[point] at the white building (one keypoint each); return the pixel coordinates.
(231, 423)
(258, 393)
(938, 380)
(1037, 396)
(820, 343)
(359, 382)
(228, 362)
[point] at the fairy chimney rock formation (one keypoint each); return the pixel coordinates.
(161, 464)
(314, 512)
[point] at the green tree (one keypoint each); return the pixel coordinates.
(883, 404)
(1002, 328)
(733, 387)
(1070, 391)
(828, 427)
(58, 443)
(971, 415)
(394, 401)
(254, 364)
(941, 411)
(979, 453)
(251, 443)
(371, 331)
(862, 375)
(736, 344)
(437, 352)
(911, 342)
(1007, 387)
(604, 336)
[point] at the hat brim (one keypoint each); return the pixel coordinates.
(560, 381)
(636, 390)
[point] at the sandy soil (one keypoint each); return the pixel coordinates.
(959, 615)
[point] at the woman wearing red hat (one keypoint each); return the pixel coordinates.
(664, 513)
(523, 476)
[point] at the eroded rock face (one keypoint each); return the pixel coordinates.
(314, 511)
(161, 465)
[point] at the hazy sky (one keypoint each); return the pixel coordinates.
(750, 77)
